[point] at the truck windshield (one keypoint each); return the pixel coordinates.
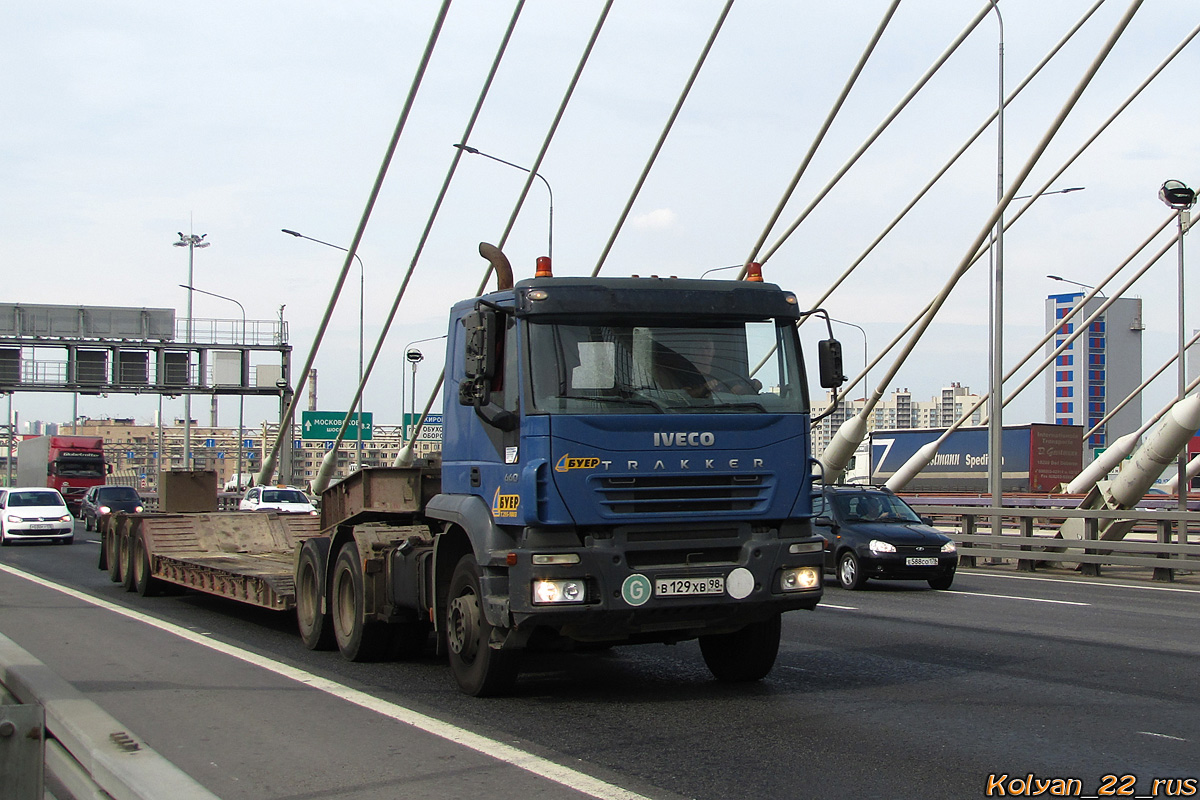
(610, 368)
(80, 467)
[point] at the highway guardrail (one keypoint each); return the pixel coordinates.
(56, 744)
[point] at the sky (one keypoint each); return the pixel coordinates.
(127, 122)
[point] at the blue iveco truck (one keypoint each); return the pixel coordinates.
(624, 461)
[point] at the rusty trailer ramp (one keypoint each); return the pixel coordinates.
(243, 556)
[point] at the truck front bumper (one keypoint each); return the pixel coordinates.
(625, 589)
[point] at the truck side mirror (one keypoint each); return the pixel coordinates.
(480, 357)
(829, 359)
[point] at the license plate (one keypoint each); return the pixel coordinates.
(40, 526)
(681, 587)
(921, 562)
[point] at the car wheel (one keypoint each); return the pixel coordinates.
(745, 655)
(942, 582)
(479, 669)
(87, 522)
(848, 573)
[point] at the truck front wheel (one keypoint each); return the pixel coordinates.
(745, 655)
(479, 669)
(357, 638)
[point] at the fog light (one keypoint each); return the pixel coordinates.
(799, 579)
(560, 591)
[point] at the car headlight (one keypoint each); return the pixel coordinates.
(105, 510)
(949, 547)
(546, 592)
(66, 518)
(799, 579)
(137, 509)
(18, 520)
(880, 546)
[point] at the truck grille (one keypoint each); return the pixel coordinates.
(683, 494)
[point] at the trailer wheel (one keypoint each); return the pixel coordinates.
(112, 554)
(745, 655)
(316, 629)
(143, 579)
(358, 639)
(479, 669)
(125, 554)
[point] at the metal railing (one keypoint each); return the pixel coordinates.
(55, 743)
(1031, 536)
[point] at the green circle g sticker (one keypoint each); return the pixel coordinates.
(636, 590)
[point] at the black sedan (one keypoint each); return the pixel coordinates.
(872, 533)
(100, 501)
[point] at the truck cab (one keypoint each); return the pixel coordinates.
(624, 460)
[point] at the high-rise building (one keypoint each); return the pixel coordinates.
(1098, 370)
(899, 410)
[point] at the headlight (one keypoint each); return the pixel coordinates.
(560, 591)
(105, 510)
(137, 509)
(18, 520)
(879, 546)
(949, 547)
(799, 579)
(66, 518)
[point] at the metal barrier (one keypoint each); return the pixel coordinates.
(1030, 535)
(55, 744)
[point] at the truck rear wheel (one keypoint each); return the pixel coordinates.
(745, 655)
(316, 629)
(478, 669)
(358, 639)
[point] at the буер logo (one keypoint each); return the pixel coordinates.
(567, 463)
(505, 505)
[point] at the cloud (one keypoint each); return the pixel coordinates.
(658, 219)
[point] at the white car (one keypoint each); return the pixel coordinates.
(282, 499)
(34, 513)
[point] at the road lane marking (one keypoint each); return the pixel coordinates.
(536, 765)
(1014, 597)
(1162, 736)
(823, 604)
(1077, 581)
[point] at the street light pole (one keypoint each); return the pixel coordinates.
(1180, 198)
(409, 348)
(241, 373)
(191, 242)
(996, 380)
(362, 281)
(550, 240)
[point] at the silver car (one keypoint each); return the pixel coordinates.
(34, 513)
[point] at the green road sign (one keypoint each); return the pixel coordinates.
(326, 424)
